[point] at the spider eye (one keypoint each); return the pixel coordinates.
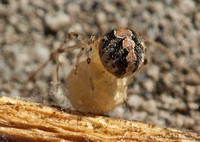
(121, 52)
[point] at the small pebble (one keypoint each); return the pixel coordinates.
(153, 71)
(149, 85)
(57, 21)
(198, 90)
(150, 106)
(41, 52)
(135, 101)
(192, 79)
(197, 20)
(191, 90)
(101, 17)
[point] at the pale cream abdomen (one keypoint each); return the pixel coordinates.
(107, 92)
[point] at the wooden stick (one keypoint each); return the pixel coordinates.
(27, 121)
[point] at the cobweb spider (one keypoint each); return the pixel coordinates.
(99, 83)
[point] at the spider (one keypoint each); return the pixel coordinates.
(99, 83)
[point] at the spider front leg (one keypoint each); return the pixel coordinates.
(56, 53)
(88, 61)
(89, 44)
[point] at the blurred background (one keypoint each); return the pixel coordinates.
(160, 95)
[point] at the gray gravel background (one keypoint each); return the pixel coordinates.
(160, 95)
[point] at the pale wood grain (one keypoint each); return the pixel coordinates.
(27, 121)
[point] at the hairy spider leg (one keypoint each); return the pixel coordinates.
(87, 44)
(68, 36)
(56, 53)
(90, 73)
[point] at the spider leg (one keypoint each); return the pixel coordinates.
(90, 73)
(78, 59)
(89, 60)
(87, 44)
(56, 53)
(62, 49)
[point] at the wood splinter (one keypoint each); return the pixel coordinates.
(27, 121)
